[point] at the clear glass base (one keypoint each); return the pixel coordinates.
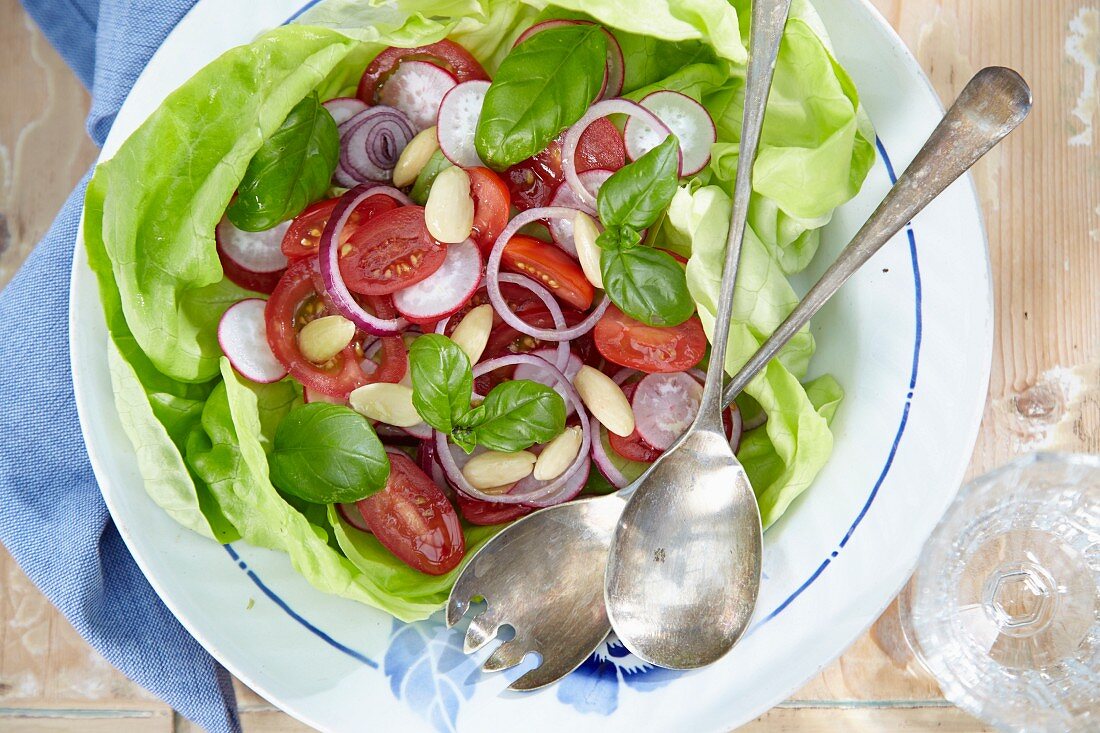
(1004, 609)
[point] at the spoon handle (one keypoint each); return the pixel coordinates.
(993, 103)
(769, 17)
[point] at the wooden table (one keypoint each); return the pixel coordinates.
(1041, 196)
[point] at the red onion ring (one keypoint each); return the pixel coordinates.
(493, 278)
(328, 262)
(595, 112)
(545, 493)
(561, 358)
(372, 141)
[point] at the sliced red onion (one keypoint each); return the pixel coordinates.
(544, 376)
(561, 360)
(493, 279)
(595, 112)
(372, 142)
(328, 262)
(562, 229)
(760, 418)
(421, 430)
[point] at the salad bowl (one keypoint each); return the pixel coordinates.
(909, 337)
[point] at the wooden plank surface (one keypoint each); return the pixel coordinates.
(1041, 195)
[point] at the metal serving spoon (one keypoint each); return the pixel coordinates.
(544, 575)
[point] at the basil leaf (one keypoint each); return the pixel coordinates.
(441, 379)
(291, 169)
(647, 285)
(424, 181)
(542, 87)
(637, 194)
(618, 237)
(327, 454)
(515, 415)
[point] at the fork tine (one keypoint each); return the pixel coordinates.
(483, 629)
(507, 655)
(456, 609)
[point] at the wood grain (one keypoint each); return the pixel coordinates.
(1040, 192)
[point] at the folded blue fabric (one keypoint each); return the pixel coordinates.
(52, 516)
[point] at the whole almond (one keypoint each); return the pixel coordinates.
(472, 332)
(585, 232)
(492, 469)
(449, 211)
(415, 156)
(605, 400)
(558, 454)
(385, 402)
(323, 338)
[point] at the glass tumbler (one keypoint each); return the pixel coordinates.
(1004, 608)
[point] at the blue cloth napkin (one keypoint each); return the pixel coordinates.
(52, 516)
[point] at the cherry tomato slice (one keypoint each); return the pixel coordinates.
(492, 204)
(551, 267)
(476, 511)
(652, 349)
(445, 54)
(534, 181)
(391, 251)
(294, 302)
(413, 519)
(304, 234)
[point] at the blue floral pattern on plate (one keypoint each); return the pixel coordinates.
(594, 686)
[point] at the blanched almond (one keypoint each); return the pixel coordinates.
(492, 469)
(323, 338)
(605, 400)
(558, 454)
(472, 332)
(388, 403)
(588, 252)
(449, 212)
(415, 156)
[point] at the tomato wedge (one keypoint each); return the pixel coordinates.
(445, 54)
(652, 349)
(413, 519)
(391, 251)
(551, 267)
(304, 234)
(534, 181)
(492, 204)
(294, 302)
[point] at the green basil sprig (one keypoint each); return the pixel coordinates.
(328, 454)
(515, 415)
(541, 88)
(646, 284)
(292, 168)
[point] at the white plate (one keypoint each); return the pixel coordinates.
(910, 338)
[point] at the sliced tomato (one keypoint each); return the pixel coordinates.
(534, 181)
(304, 234)
(391, 251)
(294, 302)
(476, 511)
(413, 519)
(445, 54)
(492, 204)
(652, 349)
(551, 267)
(392, 359)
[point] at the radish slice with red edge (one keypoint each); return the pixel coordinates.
(561, 230)
(688, 120)
(595, 112)
(242, 334)
(446, 290)
(328, 262)
(259, 252)
(351, 515)
(546, 376)
(417, 88)
(372, 142)
(457, 123)
(615, 70)
(343, 109)
(665, 406)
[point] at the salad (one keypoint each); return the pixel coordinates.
(383, 280)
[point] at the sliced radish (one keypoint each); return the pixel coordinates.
(562, 229)
(616, 68)
(350, 513)
(253, 251)
(664, 406)
(458, 116)
(242, 334)
(343, 109)
(688, 120)
(417, 88)
(446, 290)
(546, 376)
